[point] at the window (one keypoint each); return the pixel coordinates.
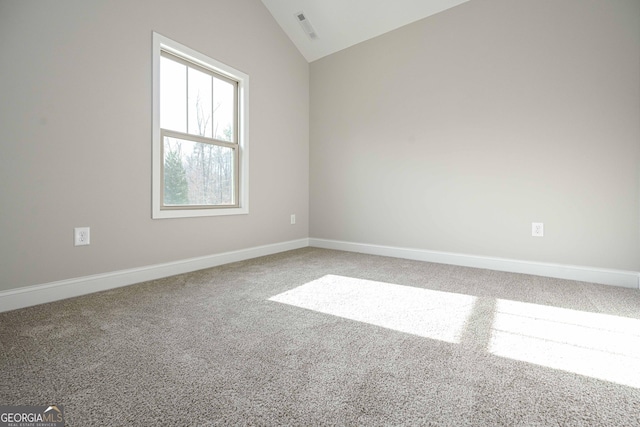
(200, 134)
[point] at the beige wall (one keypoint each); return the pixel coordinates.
(456, 132)
(451, 134)
(75, 134)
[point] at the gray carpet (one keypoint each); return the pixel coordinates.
(211, 348)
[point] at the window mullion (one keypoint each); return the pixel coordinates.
(213, 109)
(236, 114)
(198, 138)
(186, 101)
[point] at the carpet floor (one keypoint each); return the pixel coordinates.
(320, 337)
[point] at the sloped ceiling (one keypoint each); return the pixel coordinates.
(342, 23)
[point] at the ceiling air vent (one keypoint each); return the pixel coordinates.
(306, 25)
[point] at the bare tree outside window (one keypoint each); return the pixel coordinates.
(196, 172)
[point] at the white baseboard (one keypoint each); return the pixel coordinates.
(627, 279)
(40, 294)
(49, 292)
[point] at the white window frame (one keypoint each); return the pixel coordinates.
(162, 43)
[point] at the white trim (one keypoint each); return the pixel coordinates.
(54, 291)
(49, 292)
(161, 42)
(627, 279)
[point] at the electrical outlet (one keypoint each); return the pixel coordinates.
(81, 236)
(293, 219)
(537, 229)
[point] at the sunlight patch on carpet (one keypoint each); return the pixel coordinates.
(597, 345)
(427, 313)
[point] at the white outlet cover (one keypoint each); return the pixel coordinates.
(537, 229)
(81, 236)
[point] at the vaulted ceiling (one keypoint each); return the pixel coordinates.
(338, 24)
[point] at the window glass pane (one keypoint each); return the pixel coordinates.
(197, 173)
(173, 95)
(200, 111)
(224, 110)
